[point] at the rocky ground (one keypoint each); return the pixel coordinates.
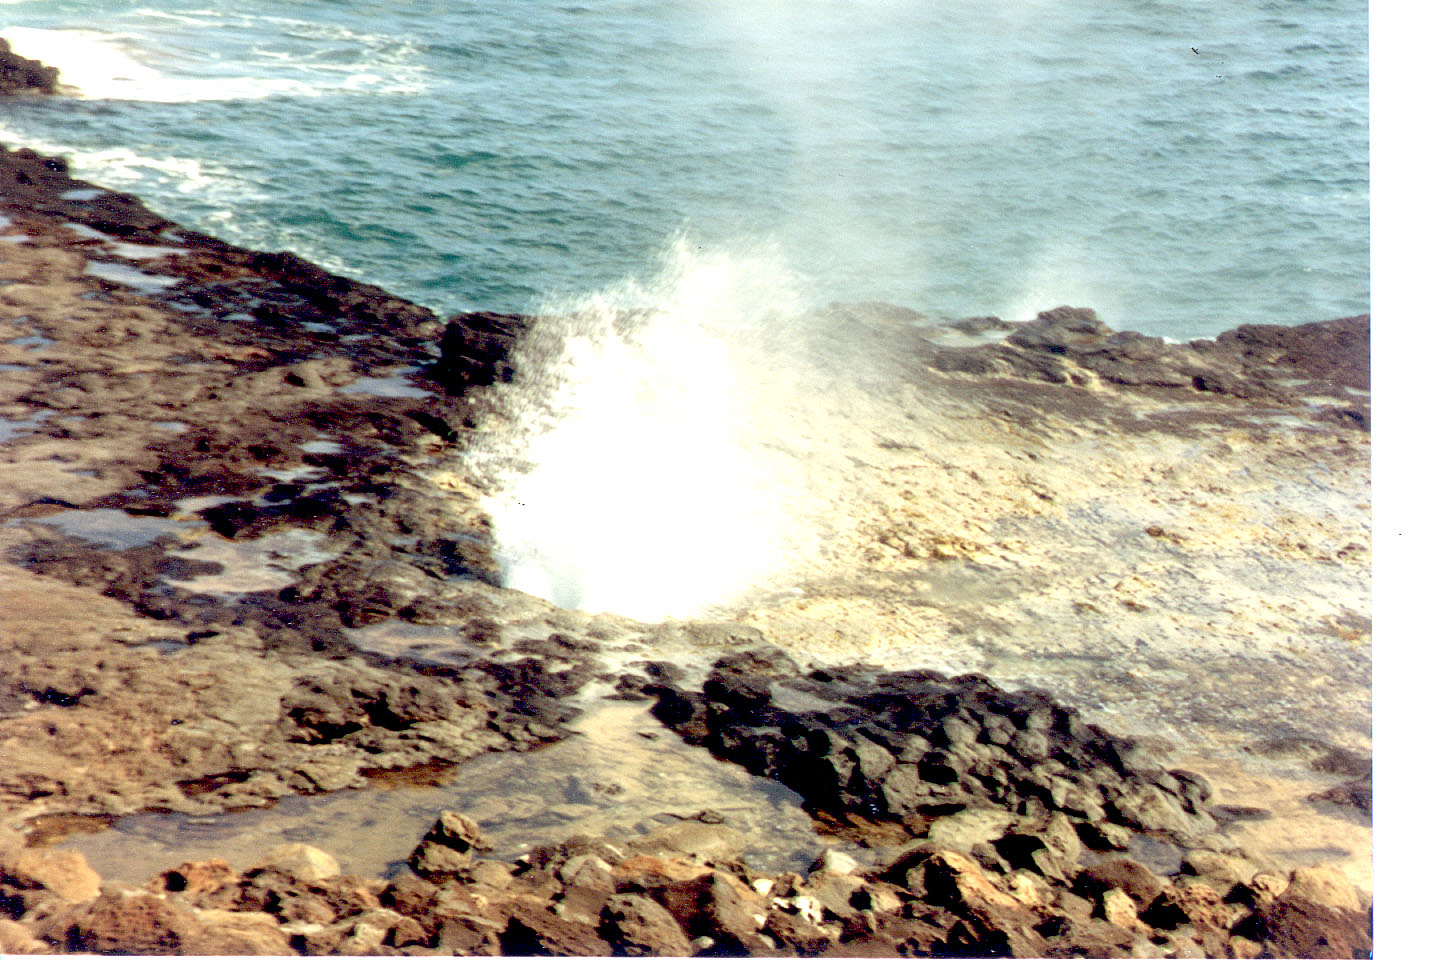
(242, 560)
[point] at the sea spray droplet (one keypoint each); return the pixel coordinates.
(650, 457)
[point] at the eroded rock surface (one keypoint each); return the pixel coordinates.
(241, 559)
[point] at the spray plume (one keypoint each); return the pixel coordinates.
(666, 446)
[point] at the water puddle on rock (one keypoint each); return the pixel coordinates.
(394, 386)
(418, 643)
(114, 529)
(10, 428)
(253, 566)
(128, 276)
(622, 775)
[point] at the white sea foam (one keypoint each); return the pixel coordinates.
(173, 64)
(662, 448)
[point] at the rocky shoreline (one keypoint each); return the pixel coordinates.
(243, 561)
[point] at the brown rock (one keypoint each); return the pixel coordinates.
(370, 931)
(412, 897)
(448, 848)
(63, 873)
(714, 905)
(434, 861)
(1324, 885)
(1119, 873)
(637, 926)
(299, 860)
(834, 891)
(467, 936)
(1292, 926)
(989, 918)
(1117, 907)
(123, 921)
(532, 931)
(315, 939)
(1217, 867)
(16, 938)
(647, 870)
(242, 933)
(798, 933)
(408, 932)
(212, 884)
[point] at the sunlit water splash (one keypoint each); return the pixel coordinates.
(660, 449)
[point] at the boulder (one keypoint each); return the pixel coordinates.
(124, 921)
(63, 873)
(299, 860)
(637, 926)
(530, 930)
(1119, 873)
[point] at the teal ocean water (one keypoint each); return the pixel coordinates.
(1181, 166)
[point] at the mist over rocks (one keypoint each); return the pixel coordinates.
(244, 560)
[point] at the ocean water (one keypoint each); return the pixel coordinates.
(1182, 167)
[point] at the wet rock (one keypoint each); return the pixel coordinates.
(1147, 807)
(475, 350)
(447, 848)
(22, 75)
(914, 746)
(715, 842)
(1358, 793)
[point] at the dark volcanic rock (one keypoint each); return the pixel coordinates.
(1277, 365)
(912, 746)
(22, 75)
(475, 350)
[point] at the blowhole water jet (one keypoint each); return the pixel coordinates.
(659, 449)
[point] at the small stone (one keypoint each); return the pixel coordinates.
(1117, 907)
(433, 860)
(837, 861)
